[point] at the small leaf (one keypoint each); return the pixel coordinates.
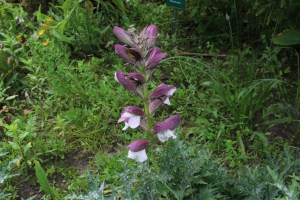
(206, 83)
(14, 145)
(18, 161)
(27, 147)
(11, 97)
(23, 135)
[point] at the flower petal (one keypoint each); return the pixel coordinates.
(122, 52)
(167, 101)
(124, 117)
(129, 55)
(143, 125)
(134, 121)
(138, 145)
(169, 124)
(155, 104)
(162, 90)
(134, 110)
(150, 35)
(139, 156)
(164, 136)
(124, 36)
(139, 78)
(128, 82)
(126, 126)
(155, 58)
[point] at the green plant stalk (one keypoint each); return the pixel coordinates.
(241, 144)
(237, 20)
(148, 118)
(231, 37)
(146, 105)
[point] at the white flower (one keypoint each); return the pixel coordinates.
(132, 120)
(137, 150)
(131, 116)
(164, 136)
(165, 129)
(139, 156)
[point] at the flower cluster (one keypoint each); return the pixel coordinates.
(139, 51)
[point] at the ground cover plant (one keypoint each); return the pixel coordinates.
(209, 106)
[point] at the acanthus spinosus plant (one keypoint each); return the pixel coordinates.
(139, 51)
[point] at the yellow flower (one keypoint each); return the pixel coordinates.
(48, 20)
(46, 42)
(45, 25)
(20, 38)
(41, 32)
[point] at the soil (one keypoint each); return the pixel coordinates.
(29, 187)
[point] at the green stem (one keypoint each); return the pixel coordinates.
(149, 120)
(231, 35)
(146, 104)
(241, 143)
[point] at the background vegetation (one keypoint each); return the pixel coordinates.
(236, 68)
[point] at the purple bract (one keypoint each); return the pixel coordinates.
(155, 58)
(124, 36)
(138, 145)
(169, 124)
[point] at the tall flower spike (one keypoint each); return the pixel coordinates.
(129, 55)
(155, 58)
(149, 35)
(137, 150)
(161, 96)
(131, 81)
(124, 36)
(165, 129)
(131, 116)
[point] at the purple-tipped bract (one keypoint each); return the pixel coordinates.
(124, 36)
(131, 81)
(138, 145)
(129, 55)
(155, 58)
(162, 90)
(134, 110)
(149, 34)
(169, 124)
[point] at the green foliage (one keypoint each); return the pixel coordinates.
(21, 136)
(43, 181)
(96, 191)
(88, 30)
(241, 108)
(180, 171)
(273, 179)
(5, 174)
(288, 37)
